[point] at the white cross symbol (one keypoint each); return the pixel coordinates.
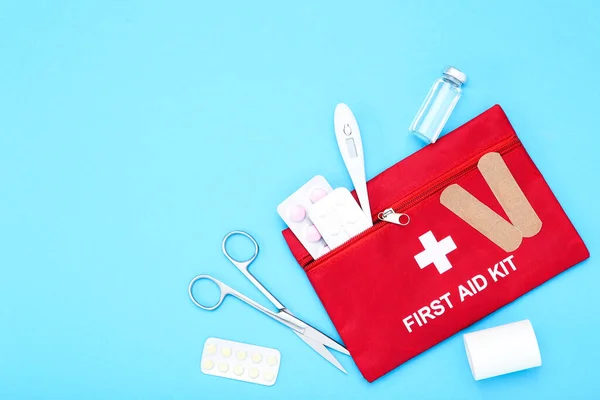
(435, 252)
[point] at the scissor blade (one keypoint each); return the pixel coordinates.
(323, 339)
(319, 348)
(305, 329)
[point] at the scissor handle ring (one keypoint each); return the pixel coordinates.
(238, 263)
(222, 291)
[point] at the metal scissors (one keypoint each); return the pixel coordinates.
(317, 340)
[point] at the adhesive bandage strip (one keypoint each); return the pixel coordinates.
(481, 217)
(524, 222)
(240, 361)
(509, 194)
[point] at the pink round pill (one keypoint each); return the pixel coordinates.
(312, 234)
(297, 213)
(317, 194)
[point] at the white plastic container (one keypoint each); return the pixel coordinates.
(438, 105)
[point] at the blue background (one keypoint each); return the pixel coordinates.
(135, 134)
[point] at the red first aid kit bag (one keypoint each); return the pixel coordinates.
(484, 229)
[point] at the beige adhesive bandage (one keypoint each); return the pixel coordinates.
(481, 217)
(525, 221)
(509, 194)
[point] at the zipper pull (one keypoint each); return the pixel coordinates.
(393, 217)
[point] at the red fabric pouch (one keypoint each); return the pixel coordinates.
(473, 245)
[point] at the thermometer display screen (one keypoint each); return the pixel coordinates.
(351, 148)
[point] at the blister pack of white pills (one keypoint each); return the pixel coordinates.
(240, 361)
(338, 217)
(294, 212)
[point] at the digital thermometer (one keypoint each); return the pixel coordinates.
(350, 144)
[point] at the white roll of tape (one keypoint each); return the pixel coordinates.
(502, 350)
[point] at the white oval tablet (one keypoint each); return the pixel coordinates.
(253, 372)
(256, 357)
(226, 351)
(334, 230)
(238, 370)
(223, 367)
(208, 364)
(269, 376)
(271, 361)
(211, 349)
(339, 199)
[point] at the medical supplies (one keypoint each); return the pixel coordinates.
(338, 217)
(293, 211)
(240, 361)
(351, 148)
(502, 350)
(471, 235)
(438, 105)
(393, 291)
(317, 340)
(337, 220)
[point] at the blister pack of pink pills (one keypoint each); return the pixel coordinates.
(293, 211)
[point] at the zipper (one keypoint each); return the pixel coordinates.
(389, 215)
(396, 213)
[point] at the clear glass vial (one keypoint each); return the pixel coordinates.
(438, 105)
